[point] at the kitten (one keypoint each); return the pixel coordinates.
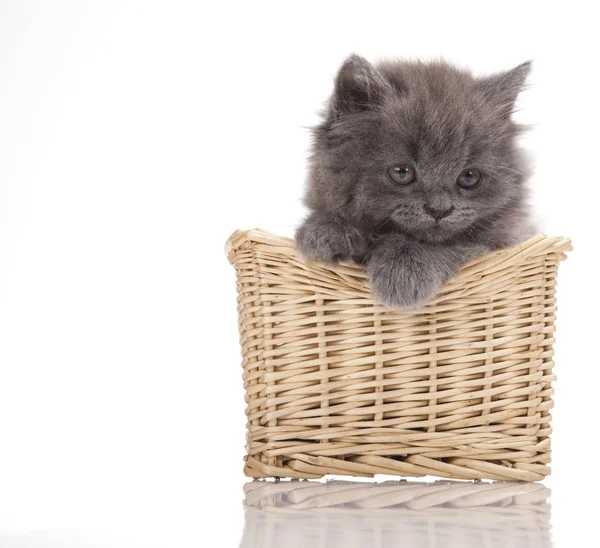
(415, 170)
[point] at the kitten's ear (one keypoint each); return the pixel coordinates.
(358, 86)
(502, 90)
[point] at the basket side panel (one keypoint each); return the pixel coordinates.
(550, 308)
(248, 304)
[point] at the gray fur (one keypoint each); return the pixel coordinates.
(440, 120)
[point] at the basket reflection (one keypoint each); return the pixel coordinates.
(430, 515)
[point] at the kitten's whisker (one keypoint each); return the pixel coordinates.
(511, 169)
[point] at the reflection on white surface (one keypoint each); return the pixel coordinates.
(445, 514)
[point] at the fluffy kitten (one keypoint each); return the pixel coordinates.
(414, 171)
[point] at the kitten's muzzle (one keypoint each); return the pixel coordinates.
(436, 213)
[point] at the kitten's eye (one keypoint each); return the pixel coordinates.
(469, 178)
(402, 174)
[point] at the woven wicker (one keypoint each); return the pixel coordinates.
(336, 384)
(348, 515)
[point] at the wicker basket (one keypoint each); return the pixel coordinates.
(428, 515)
(336, 384)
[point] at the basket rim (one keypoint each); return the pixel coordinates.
(538, 244)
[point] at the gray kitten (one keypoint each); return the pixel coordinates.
(414, 171)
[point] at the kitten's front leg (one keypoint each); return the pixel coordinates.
(405, 274)
(329, 238)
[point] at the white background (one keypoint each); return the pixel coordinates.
(134, 138)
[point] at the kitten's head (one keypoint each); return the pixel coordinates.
(426, 146)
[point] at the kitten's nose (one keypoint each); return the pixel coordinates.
(437, 213)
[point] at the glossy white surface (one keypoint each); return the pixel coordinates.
(216, 511)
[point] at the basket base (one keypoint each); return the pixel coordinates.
(311, 467)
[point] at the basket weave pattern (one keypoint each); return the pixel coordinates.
(336, 384)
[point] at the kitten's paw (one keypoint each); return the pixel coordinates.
(330, 239)
(404, 279)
